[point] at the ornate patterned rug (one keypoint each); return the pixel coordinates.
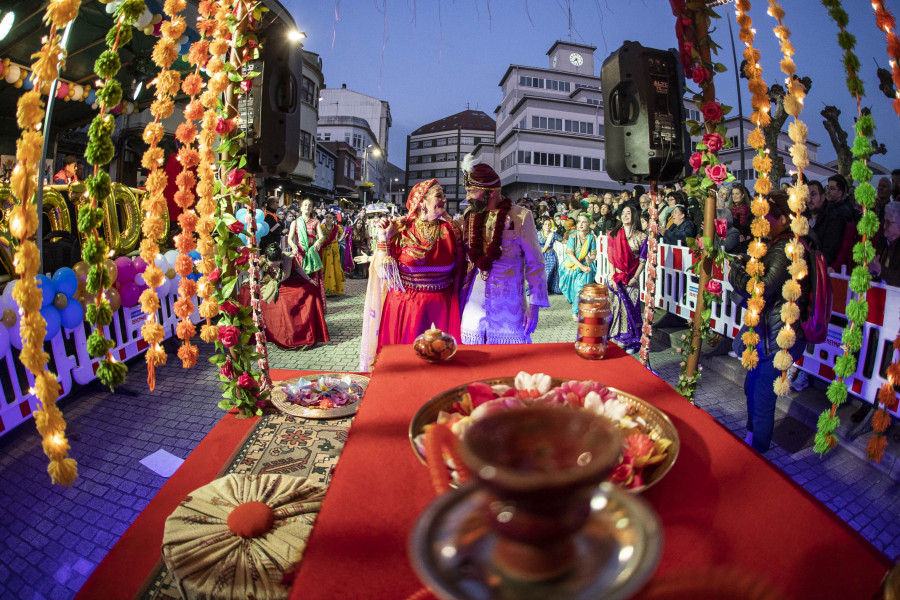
(282, 444)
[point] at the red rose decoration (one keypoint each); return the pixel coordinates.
(227, 370)
(236, 227)
(712, 111)
(714, 287)
(246, 381)
(246, 85)
(700, 75)
(714, 142)
(224, 126)
(230, 308)
(213, 276)
(229, 335)
(721, 227)
(696, 160)
(235, 177)
(717, 173)
(244, 258)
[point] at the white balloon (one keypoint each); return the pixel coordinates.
(171, 256)
(161, 263)
(183, 40)
(144, 20)
(13, 73)
(111, 8)
(78, 92)
(129, 108)
(163, 289)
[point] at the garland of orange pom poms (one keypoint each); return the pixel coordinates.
(793, 105)
(23, 225)
(167, 83)
(885, 21)
(440, 440)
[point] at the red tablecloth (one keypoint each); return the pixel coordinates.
(722, 505)
(297, 318)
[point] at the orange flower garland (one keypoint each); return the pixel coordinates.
(885, 21)
(762, 164)
(793, 105)
(23, 225)
(167, 83)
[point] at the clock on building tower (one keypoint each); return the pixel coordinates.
(576, 59)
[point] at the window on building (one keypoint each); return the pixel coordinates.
(357, 141)
(540, 158)
(306, 145)
(554, 160)
(427, 143)
(522, 123)
(592, 101)
(571, 162)
(440, 142)
(347, 169)
(308, 91)
(426, 158)
(734, 141)
(413, 160)
(524, 157)
(414, 145)
(467, 140)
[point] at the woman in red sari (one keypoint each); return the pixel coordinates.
(414, 279)
(627, 251)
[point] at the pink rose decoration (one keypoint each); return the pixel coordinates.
(229, 335)
(696, 160)
(230, 308)
(700, 75)
(260, 404)
(721, 227)
(714, 287)
(214, 275)
(712, 111)
(227, 370)
(246, 381)
(717, 173)
(236, 227)
(235, 177)
(224, 126)
(246, 85)
(714, 142)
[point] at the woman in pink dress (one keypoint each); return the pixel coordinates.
(414, 279)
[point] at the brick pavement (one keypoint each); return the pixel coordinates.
(53, 538)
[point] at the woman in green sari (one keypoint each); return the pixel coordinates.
(580, 265)
(305, 239)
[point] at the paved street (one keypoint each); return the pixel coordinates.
(53, 538)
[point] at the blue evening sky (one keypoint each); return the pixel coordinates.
(432, 58)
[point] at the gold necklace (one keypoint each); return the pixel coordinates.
(430, 230)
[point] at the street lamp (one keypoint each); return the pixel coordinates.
(391, 189)
(375, 152)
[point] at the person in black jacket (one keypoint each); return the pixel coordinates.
(758, 382)
(682, 229)
(275, 229)
(834, 219)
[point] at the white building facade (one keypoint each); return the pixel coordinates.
(435, 150)
(363, 122)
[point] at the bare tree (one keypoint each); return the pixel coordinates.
(773, 129)
(838, 136)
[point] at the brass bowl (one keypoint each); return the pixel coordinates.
(658, 424)
(281, 402)
(435, 346)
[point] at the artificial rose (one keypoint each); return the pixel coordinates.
(243, 258)
(696, 160)
(229, 335)
(714, 287)
(260, 404)
(712, 111)
(714, 142)
(224, 126)
(246, 85)
(236, 227)
(721, 227)
(235, 177)
(678, 6)
(230, 308)
(213, 276)
(246, 381)
(700, 75)
(227, 370)
(717, 173)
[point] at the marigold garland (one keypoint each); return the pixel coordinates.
(863, 252)
(762, 164)
(23, 226)
(793, 104)
(167, 84)
(885, 21)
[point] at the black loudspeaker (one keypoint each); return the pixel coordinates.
(645, 134)
(271, 111)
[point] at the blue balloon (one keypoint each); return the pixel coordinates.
(65, 281)
(195, 255)
(52, 316)
(263, 230)
(241, 215)
(260, 215)
(243, 238)
(48, 292)
(4, 340)
(194, 276)
(72, 315)
(91, 97)
(28, 84)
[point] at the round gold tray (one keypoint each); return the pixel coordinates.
(279, 398)
(659, 424)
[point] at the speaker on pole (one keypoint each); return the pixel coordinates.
(645, 134)
(271, 111)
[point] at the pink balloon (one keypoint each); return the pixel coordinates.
(126, 269)
(140, 265)
(130, 294)
(157, 29)
(62, 90)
